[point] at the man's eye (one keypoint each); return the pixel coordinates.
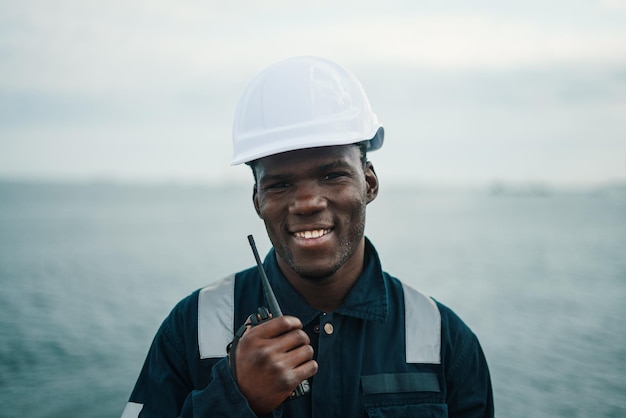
(276, 186)
(333, 176)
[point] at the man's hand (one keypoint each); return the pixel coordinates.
(272, 359)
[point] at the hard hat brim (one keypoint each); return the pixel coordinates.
(310, 141)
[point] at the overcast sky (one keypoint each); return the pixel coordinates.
(468, 92)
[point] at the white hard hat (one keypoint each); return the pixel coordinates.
(302, 102)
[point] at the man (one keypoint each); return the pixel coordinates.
(363, 343)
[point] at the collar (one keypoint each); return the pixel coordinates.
(366, 300)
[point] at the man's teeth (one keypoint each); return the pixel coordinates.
(312, 234)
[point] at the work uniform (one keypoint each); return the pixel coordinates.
(387, 351)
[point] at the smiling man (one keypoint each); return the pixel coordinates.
(313, 204)
(364, 343)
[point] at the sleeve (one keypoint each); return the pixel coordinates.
(165, 387)
(469, 390)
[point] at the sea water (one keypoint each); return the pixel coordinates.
(89, 271)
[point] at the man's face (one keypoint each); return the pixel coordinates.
(313, 204)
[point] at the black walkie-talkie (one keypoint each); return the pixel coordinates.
(274, 310)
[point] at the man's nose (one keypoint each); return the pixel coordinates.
(308, 200)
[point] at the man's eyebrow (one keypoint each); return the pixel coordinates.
(275, 177)
(334, 164)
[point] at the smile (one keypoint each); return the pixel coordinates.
(316, 233)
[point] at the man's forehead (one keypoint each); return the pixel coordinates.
(311, 156)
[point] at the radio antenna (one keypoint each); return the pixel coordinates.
(267, 289)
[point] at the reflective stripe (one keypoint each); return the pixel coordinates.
(216, 304)
(423, 327)
(132, 410)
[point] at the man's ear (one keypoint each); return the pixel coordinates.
(255, 200)
(371, 180)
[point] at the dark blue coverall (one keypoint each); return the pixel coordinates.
(388, 351)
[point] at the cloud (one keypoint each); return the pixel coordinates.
(614, 5)
(450, 42)
(96, 47)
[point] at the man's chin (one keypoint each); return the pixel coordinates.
(314, 274)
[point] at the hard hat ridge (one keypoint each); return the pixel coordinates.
(302, 102)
